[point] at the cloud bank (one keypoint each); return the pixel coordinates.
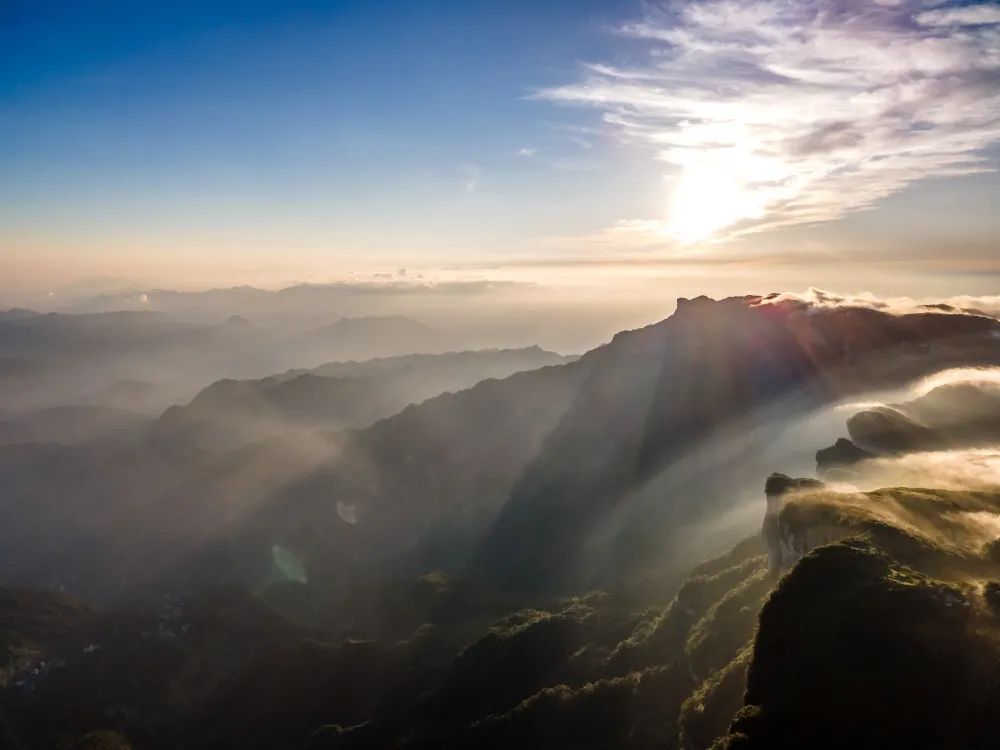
(819, 298)
(969, 469)
(771, 113)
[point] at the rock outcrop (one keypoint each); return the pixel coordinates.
(843, 454)
(777, 490)
(653, 397)
(956, 415)
(889, 430)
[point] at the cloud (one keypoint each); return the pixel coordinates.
(968, 15)
(970, 469)
(470, 177)
(985, 304)
(772, 113)
(626, 234)
(981, 376)
(956, 408)
(527, 151)
(412, 284)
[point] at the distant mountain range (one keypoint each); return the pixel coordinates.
(586, 474)
(337, 394)
(568, 476)
(57, 359)
(71, 424)
(179, 480)
(501, 566)
(302, 305)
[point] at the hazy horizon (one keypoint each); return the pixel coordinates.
(591, 148)
(492, 374)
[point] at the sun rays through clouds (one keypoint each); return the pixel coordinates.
(772, 114)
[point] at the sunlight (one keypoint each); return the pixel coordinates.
(957, 375)
(541, 375)
(705, 200)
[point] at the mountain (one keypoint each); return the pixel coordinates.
(662, 406)
(71, 424)
(386, 330)
(338, 394)
(475, 313)
(953, 416)
(159, 503)
(137, 395)
(58, 359)
(834, 647)
(883, 632)
(302, 305)
(105, 519)
(590, 473)
(958, 415)
(345, 591)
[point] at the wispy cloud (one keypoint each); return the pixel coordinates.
(983, 304)
(625, 234)
(770, 113)
(470, 177)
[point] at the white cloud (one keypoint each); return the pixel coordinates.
(527, 151)
(968, 15)
(980, 375)
(470, 177)
(985, 304)
(778, 112)
(971, 469)
(625, 234)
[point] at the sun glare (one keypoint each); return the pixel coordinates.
(706, 200)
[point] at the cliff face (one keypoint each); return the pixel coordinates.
(651, 402)
(882, 631)
(857, 649)
(424, 561)
(883, 628)
(558, 479)
(779, 488)
(874, 625)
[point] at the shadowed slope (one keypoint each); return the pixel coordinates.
(653, 397)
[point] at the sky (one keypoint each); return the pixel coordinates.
(743, 145)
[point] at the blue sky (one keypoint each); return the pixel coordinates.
(205, 141)
(330, 105)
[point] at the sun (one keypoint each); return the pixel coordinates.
(706, 200)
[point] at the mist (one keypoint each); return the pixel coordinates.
(562, 375)
(374, 479)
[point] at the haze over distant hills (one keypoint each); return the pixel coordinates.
(337, 394)
(55, 359)
(431, 376)
(458, 481)
(494, 548)
(627, 431)
(469, 307)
